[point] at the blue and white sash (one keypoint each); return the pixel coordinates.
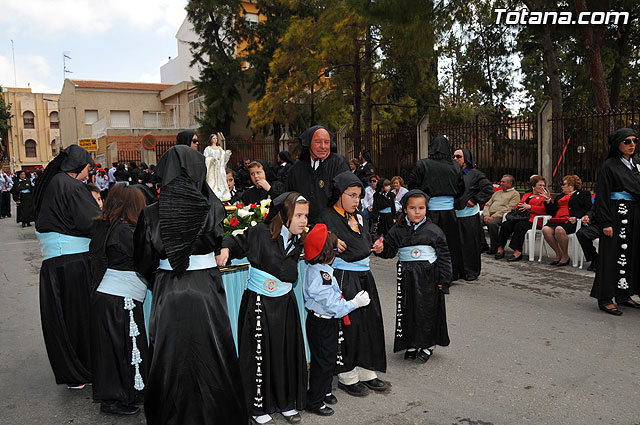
(196, 262)
(441, 203)
(54, 244)
(126, 284)
(267, 284)
(355, 266)
(417, 253)
(622, 196)
(468, 212)
(385, 211)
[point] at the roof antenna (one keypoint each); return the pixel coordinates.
(65, 70)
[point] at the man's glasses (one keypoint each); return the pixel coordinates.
(633, 140)
(457, 156)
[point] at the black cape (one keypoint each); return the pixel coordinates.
(284, 367)
(421, 319)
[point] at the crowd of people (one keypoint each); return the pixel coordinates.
(130, 230)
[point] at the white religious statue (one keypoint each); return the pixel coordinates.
(216, 158)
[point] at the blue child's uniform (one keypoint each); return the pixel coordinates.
(323, 299)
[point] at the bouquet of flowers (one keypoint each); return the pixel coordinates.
(245, 216)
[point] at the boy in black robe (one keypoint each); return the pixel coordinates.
(264, 184)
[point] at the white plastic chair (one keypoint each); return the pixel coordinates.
(597, 242)
(576, 249)
(530, 236)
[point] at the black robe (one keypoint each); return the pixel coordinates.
(614, 176)
(243, 178)
(23, 193)
(478, 189)
(364, 171)
(111, 345)
(382, 200)
(421, 318)
(315, 185)
(442, 177)
(283, 364)
(194, 375)
(363, 343)
(254, 194)
(67, 207)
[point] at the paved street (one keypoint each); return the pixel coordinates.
(528, 346)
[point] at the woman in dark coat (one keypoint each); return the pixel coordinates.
(567, 207)
(285, 162)
(270, 342)
(23, 196)
(65, 210)
(361, 352)
(194, 375)
(618, 215)
(119, 353)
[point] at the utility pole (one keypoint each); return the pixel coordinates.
(13, 53)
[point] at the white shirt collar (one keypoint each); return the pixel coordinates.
(416, 225)
(628, 164)
(284, 232)
(509, 190)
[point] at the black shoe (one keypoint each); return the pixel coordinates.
(424, 354)
(499, 255)
(593, 266)
(471, 278)
(630, 303)
(322, 411)
(330, 399)
(613, 310)
(565, 263)
(28, 224)
(492, 252)
(513, 258)
(357, 390)
(376, 384)
(118, 409)
(293, 419)
(554, 263)
(24, 225)
(410, 355)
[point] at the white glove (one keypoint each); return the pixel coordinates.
(361, 299)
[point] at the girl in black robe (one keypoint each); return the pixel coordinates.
(441, 179)
(384, 206)
(270, 342)
(618, 215)
(194, 376)
(23, 196)
(361, 347)
(119, 353)
(477, 190)
(424, 276)
(64, 225)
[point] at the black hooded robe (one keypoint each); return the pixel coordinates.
(194, 375)
(438, 175)
(254, 195)
(364, 171)
(477, 189)
(283, 376)
(315, 184)
(65, 206)
(284, 168)
(617, 256)
(363, 344)
(421, 318)
(23, 193)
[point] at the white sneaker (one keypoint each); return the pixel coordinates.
(76, 387)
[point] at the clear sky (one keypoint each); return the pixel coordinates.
(115, 40)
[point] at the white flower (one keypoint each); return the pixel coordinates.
(264, 210)
(265, 203)
(237, 232)
(253, 223)
(242, 213)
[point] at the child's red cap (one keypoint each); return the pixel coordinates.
(314, 241)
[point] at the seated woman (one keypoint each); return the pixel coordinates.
(399, 190)
(566, 208)
(533, 202)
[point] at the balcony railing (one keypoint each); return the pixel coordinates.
(159, 122)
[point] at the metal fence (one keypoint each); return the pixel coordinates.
(129, 155)
(580, 141)
(393, 151)
(499, 147)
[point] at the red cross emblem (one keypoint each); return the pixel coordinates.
(416, 253)
(270, 285)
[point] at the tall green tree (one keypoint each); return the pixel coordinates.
(5, 125)
(214, 21)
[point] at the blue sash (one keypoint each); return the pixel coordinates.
(356, 266)
(267, 284)
(196, 262)
(441, 203)
(25, 191)
(622, 196)
(417, 253)
(121, 283)
(54, 244)
(468, 212)
(385, 211)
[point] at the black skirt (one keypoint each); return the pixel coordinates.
(274, 374)
(569, 228)
(447, 221)
(363, 340)
(421, 317)
(617, 255)
(65, 313)
(194, 375)
(111, 349)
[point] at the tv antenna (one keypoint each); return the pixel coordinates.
(65, 70)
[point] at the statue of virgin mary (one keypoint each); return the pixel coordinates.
(216, 158)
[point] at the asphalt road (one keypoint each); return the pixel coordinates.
(528, 346)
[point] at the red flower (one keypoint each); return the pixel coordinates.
(264, 216)
(240, 205)
(253, 206)
(233, 221)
